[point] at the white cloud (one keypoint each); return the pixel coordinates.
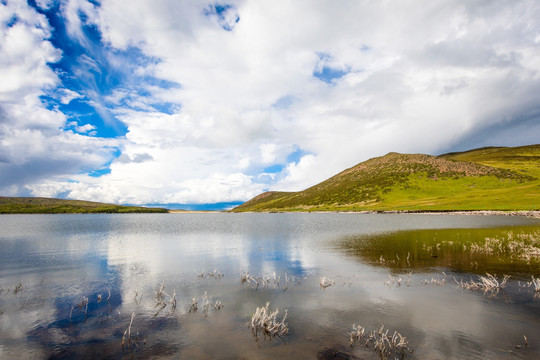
(45, 4)
(268, 153)
(67, 95)
(23, 54)
(34, 148)
(300, 175)
(87, 128)
(427, 77)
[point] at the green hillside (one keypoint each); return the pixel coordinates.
(38, 205)
(482, 179)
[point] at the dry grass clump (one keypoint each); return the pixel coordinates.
(163, 299)
(138, 298)
(128, 342)
(326, 282)
(216, 274)
(393, 280)
(397, 280)
(207, 305)
(265, 322)
(520, 246)
(194, 306)
(534, 285)
(436, 281)
(18, 288)
(488, 283)
(82, 306)
(267, 281)
(395, 345)
(513, 349)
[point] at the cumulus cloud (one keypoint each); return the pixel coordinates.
(34, 147)
(220, 94)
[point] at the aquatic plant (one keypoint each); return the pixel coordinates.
(518, 246)
(163, 299)
(393, 280)
(535, 283)
(513, 349)
(246, 277)
(409, 277)
(488, 283)
(128, 333)
(268, 281)
(129, 341)
(137, 298)
(326, 282)
(216, 274)
(436, 281)
(194, 306)
(82, 306)
(208, 304)
(265, 322)
(395, 345)
(18, 288)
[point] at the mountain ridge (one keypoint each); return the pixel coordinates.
(491, 178)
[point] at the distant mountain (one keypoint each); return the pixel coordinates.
(39, 205)
(495, 178)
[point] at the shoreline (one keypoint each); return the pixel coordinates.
(535, 214)
(175, 211)
(527, 213)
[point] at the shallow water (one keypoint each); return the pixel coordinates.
(61, 260)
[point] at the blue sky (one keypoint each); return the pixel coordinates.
(211, 103)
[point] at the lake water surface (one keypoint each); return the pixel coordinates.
(71, 285)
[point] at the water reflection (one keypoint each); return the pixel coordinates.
(62, 260)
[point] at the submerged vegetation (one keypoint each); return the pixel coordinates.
(38, 205)
(514, 251)
(483, 179)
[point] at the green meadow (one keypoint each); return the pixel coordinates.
(38, 205)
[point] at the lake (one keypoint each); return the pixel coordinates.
(185, 286)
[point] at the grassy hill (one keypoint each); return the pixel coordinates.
(482, 179)
(38, 205)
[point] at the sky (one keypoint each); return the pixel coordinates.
(211, 103)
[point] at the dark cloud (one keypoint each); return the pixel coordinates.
(523, 129)
(137, 158)
(467, 53)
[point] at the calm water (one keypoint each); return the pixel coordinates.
(69, 285)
